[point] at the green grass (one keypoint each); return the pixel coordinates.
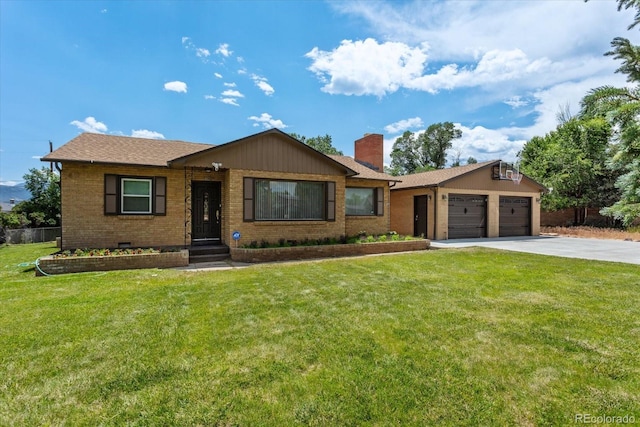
(451, 337)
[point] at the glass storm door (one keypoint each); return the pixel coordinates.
(205, 210)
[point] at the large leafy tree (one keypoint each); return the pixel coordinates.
(572, 162)
(43, 209)
(320, 143)
(413, 153)
(621, 108)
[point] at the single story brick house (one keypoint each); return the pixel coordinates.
(476, 200)
(122, 191)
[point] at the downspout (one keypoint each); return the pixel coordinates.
(59, 168)
(435, 212)
(185, 207)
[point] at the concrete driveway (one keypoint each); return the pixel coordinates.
(596, 249)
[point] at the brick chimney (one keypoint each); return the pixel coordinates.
(369, 151)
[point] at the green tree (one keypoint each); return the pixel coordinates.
(572, 161)
(404, 155)
(621, 108)
(471, 161)
(320, 143)
(43, 209)
(427, 151)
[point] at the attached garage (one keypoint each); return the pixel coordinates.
(515, 216)
(488, 199)
(467, 216)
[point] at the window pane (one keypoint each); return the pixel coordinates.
(136, 204)
(287, 200)
(360, 201)
(138, 187)
(136, 195)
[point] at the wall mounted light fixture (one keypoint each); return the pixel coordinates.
(216, 166)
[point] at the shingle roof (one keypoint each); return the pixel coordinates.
(100, 148)
(362, 171)
(436, 177)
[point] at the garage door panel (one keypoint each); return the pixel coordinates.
(515, 216)
(467, 216)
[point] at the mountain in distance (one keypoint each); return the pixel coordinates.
(16, 192)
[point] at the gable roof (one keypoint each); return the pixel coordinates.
(361, 170)
(126, 150)
(439, 176)
(264, 151)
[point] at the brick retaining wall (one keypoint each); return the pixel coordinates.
(51, 265)
(325, 251)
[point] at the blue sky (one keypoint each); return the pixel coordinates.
(214, 72)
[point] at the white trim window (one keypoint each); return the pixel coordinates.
(136, 196)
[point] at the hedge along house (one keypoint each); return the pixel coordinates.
(122, 191)
(477, 200)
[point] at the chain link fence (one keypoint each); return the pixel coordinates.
(32, 235)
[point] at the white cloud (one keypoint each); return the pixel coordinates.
(267, 121)
(209, 97)
(487, 144)
(402, 125)
(36, 157)
(367, 67)
(202, 52)
(371, 68)
(223, 50)
(232, 94)
(229, 84)
(504, 59)
(230, 101)
(90, 124)
(461, 30)
(516, 102)
(144, 133)
(218, 75)
(10, 183)
(103, 11)
(262, 84)
(176, 86)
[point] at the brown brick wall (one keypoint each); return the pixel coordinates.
(369, 149)
(328, 251)
(402, 213)
(84, 224)
(51, 265)
(273, 231)
(371, 224)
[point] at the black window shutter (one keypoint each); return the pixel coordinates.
(160, 195)
(331, 201)
(248, 200)
(380, 201)
(111, 194)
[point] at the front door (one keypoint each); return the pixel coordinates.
(420, 216)
(205, 211)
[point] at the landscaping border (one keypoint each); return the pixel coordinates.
(254, 255)
(50, 265)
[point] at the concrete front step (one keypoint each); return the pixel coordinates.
(208, 253)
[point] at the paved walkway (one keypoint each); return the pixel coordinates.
(570, 247)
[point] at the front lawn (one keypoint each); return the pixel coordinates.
(452, 337)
